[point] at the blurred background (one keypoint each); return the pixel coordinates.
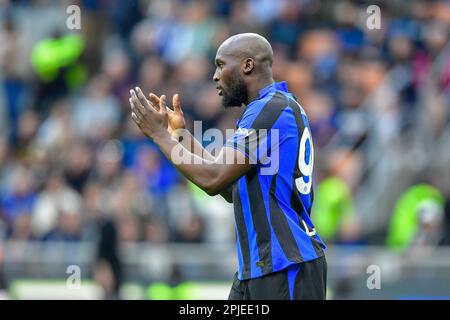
(91, 209)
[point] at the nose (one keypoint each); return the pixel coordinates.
(216, 76)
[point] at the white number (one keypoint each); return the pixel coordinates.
(305, 167)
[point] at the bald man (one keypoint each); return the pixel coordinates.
(267, 175)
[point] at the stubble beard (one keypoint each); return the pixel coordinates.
(236, 94)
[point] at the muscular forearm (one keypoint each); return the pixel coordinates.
(186, 139)
(191, 160)
(205, 173)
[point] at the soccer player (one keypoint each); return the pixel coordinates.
(279, 253)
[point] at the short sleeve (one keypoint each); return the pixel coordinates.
(255, 137)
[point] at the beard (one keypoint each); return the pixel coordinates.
(236, 94)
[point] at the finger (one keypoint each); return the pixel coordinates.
(136, 119)
(176, 103)
(137, 106)
(154, 99)
(131, 103)
(162, 105)
(143, 99)
(154, 103)
(138, 115)
(136, 103)
(136, 110)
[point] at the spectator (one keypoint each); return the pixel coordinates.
(417, 219)
(57, 209)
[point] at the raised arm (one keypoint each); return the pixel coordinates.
(210, 173)
(177, 126)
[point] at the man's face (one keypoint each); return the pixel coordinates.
(229, 81)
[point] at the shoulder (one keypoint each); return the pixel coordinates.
(263, 113)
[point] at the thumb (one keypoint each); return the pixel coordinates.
(176, 103)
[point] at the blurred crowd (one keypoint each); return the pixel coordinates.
(70, 155)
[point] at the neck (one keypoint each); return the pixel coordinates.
(255, 87)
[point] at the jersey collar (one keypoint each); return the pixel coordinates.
(281, 86)
(277, 86)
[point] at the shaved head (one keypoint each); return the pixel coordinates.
(248, 45)
(244, 62)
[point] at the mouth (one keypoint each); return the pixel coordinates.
(220, 92)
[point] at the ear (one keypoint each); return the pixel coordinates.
(249, 64)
